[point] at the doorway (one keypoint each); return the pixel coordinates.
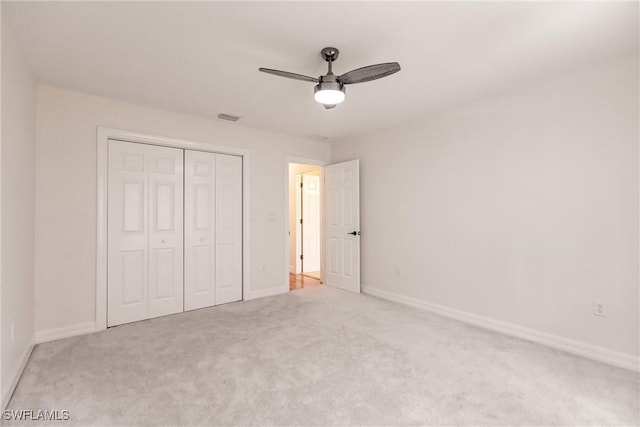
(305, 225)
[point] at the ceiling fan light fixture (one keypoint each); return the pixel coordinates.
(330, 89)
(329, 93)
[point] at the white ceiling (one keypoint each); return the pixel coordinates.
(202, 58)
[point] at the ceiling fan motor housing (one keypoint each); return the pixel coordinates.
(329, 82)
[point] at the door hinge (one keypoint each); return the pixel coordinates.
(300, 220)
(300, 185)
(301, 256)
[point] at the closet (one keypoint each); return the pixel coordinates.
(174, 227)
(213, 229)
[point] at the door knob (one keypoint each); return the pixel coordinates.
(355, 233)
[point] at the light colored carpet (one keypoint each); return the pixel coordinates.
(319, 356)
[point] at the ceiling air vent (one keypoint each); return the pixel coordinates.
(229, 117)
(318, 137)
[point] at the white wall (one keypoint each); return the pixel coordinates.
(522, 207)
(66, 193)
(18, 210)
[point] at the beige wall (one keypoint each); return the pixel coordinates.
(66, 193)
(18, 209)
(522, 207)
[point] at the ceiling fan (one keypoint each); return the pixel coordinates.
(330, 89)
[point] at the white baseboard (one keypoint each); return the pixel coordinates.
(13, 383)
(65, 332)
(580, 348)
(263, 293)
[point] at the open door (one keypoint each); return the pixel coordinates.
(310, 227)
(342, 190)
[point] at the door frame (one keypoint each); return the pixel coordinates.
(304, 161)
(299, 232)
(104, 134)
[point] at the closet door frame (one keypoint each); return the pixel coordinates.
(103, 136)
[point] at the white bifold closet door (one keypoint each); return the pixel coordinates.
(213, 229)
(145, 232)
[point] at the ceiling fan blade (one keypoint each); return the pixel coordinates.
(289, 75)
(371, 72)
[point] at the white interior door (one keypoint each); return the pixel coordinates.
(311, 222)
(166, 232)
(342, 190)
(228, 253)
(199, 226)
(144, 232)
(128, 234)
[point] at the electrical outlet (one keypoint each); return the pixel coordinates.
(599, 308)
(397, 272)
(12, 331)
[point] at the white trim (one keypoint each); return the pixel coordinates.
(65, 332)
(263, 293)
(304, 161)
(103, 136)
(8, 392)
(579, 348)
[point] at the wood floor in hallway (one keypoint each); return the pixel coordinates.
(299, 281)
